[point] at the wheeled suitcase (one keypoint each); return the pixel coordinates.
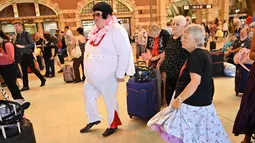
(68, 73)
(218, 62)
(241, 78)
(212, 45)
(26, 135)
(142, 98)
(14, 128)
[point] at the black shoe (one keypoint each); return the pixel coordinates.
(3, 84)
(109, 131)
(23, 103)
(83, 79)
(90, 125)
(43, 82)
(24, 89)
(77, 81)
(46, 75)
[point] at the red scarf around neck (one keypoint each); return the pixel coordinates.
(155, 46)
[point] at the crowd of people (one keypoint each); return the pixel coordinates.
(177, 52)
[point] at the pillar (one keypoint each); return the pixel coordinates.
(15, 10)
(162, 12)
(224, 10)
(114, 7)
(37, 10)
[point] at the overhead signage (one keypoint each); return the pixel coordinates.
(5, 22)
(28, 21)
(49, 20)
(204, 6)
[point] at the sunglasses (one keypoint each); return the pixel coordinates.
(96, 14)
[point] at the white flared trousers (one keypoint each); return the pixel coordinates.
(108, 89)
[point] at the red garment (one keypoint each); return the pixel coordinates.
(8, 57)
(96, 44)
(116, 121)
(155, 46)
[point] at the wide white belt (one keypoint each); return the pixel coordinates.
(89, 56)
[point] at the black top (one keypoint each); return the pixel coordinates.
(199, 62)
(48, 47)
(175, 57)
(238, 43)
(24, 38)
(244, 44)
(163, 41)
(39, 42)
(82, 47)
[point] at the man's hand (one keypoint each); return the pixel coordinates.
(51, 58)
(20, 46)
(120, 79)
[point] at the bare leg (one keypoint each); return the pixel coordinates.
(247, 139)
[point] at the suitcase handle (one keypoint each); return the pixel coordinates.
(3, 126)
(141, 62)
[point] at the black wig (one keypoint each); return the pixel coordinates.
(104, 7)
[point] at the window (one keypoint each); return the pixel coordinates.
(108, 1)
(120, 7)
(87, 26)
(88, 8)
(88, 23)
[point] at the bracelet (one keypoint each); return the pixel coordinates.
(180, 99)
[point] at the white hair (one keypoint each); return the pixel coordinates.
(180, 19)
(197, 33)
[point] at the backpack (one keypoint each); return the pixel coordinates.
(68, 73)
(17, 53)
(243, 57)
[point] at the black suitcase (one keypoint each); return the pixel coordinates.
(241, 78)
(212, 45)
(218, 62)
(27, 134)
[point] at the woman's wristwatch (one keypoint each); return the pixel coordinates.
(180, 99)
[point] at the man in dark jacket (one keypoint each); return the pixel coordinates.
(25, 45)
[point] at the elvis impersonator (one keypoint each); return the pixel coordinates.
(108, 57)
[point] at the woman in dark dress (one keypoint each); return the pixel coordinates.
(49, 54)
(173, 57)
(245, 119)
(77, 62)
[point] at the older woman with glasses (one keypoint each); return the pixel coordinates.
(191, 116)
(173, 57)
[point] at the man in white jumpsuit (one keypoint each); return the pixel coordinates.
(108, 57)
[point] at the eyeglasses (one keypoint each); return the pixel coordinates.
(97, 14)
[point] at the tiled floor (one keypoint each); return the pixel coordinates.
(57, 113)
